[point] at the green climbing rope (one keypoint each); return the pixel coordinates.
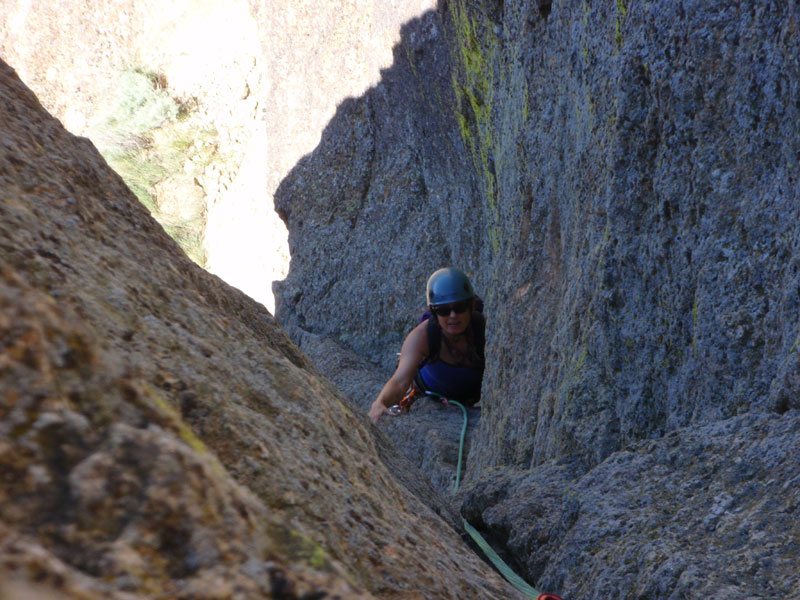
(460, 443)
(518, 582)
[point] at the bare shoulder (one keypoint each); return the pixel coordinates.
(418, 337)
(415, 349)
(415, 346)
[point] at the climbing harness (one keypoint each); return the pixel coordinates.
(518, 582)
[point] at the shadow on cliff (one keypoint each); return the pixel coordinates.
(643, 280)
(386, 198)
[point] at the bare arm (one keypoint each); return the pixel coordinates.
(415, 348)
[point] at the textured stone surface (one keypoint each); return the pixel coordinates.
(160, 437)
(621, 182)
(706, 512)
(655, 187)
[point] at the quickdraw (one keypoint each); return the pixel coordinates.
(405, 404)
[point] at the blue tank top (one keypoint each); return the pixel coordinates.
(451, 381)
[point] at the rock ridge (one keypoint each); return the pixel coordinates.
(160, 437)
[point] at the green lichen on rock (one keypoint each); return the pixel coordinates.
(477, 49)
(622, 12)
(695, 312)
(150, 401)
(300, 548)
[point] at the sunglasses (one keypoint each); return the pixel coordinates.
(445, 309)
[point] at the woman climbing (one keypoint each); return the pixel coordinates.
(444, 353)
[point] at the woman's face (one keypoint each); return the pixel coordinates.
(454, 323)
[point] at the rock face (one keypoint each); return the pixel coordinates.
(379, 204)
(621, 182)
(160, 437)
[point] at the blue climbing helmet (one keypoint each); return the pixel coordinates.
(448, 285)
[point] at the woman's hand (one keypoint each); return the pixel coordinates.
(377, 410)
(415, 348)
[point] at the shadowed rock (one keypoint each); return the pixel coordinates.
(620, 180)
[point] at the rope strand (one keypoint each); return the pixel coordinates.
(515, 580)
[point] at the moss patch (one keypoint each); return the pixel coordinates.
(476, 51)
(622, 12)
